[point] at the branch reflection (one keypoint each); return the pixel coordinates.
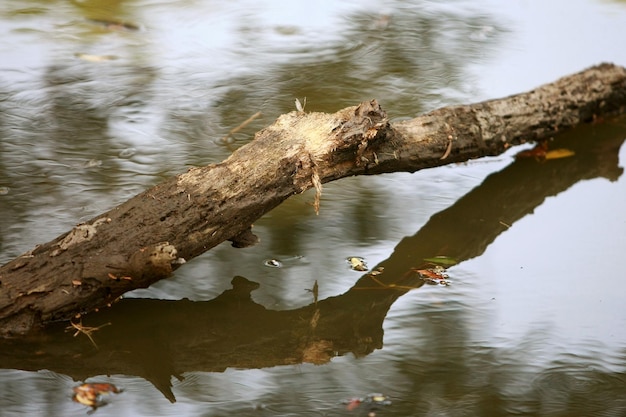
(157, 339)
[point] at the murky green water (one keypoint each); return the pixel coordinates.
(532, 322)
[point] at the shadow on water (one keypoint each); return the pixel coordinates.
(158, 339)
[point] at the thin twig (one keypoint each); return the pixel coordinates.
(241, 126)
(87, 331)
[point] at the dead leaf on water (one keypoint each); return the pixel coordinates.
(273, 263)
(541, 153)
(91, 394)
(559, 153)
(357, 263)
(371, 401)
(434, 276)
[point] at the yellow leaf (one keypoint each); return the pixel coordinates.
(559, 153)
(357, 263)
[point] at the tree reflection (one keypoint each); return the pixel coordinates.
(158, 340)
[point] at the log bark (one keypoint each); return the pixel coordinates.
(146, 238)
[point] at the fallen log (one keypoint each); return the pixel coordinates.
(146, 238)
(161, 339)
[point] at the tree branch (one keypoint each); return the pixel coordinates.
(146, 238)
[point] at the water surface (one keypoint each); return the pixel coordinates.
(532, 323)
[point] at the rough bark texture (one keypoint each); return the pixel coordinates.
(144, 239)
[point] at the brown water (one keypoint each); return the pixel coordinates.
(533, 321)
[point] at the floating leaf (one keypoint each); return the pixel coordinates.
(273, 263)
(541, 153)
(353, 403)
(90, 394)
(357, 263)
(371, 401)
(559, 153)
(378, 399)
(434, 276)
(442, 260)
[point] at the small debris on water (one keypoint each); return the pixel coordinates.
(357, 263)
(434, 276)
(315, 290)
(285, 262)
(273, 263)
(371, 402)
(127, 153)
(377, 271)
(91, 394)
(559, 153)
(541, 153)
(93, 163)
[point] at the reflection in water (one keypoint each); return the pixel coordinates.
(158, 339)
(81, 135)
